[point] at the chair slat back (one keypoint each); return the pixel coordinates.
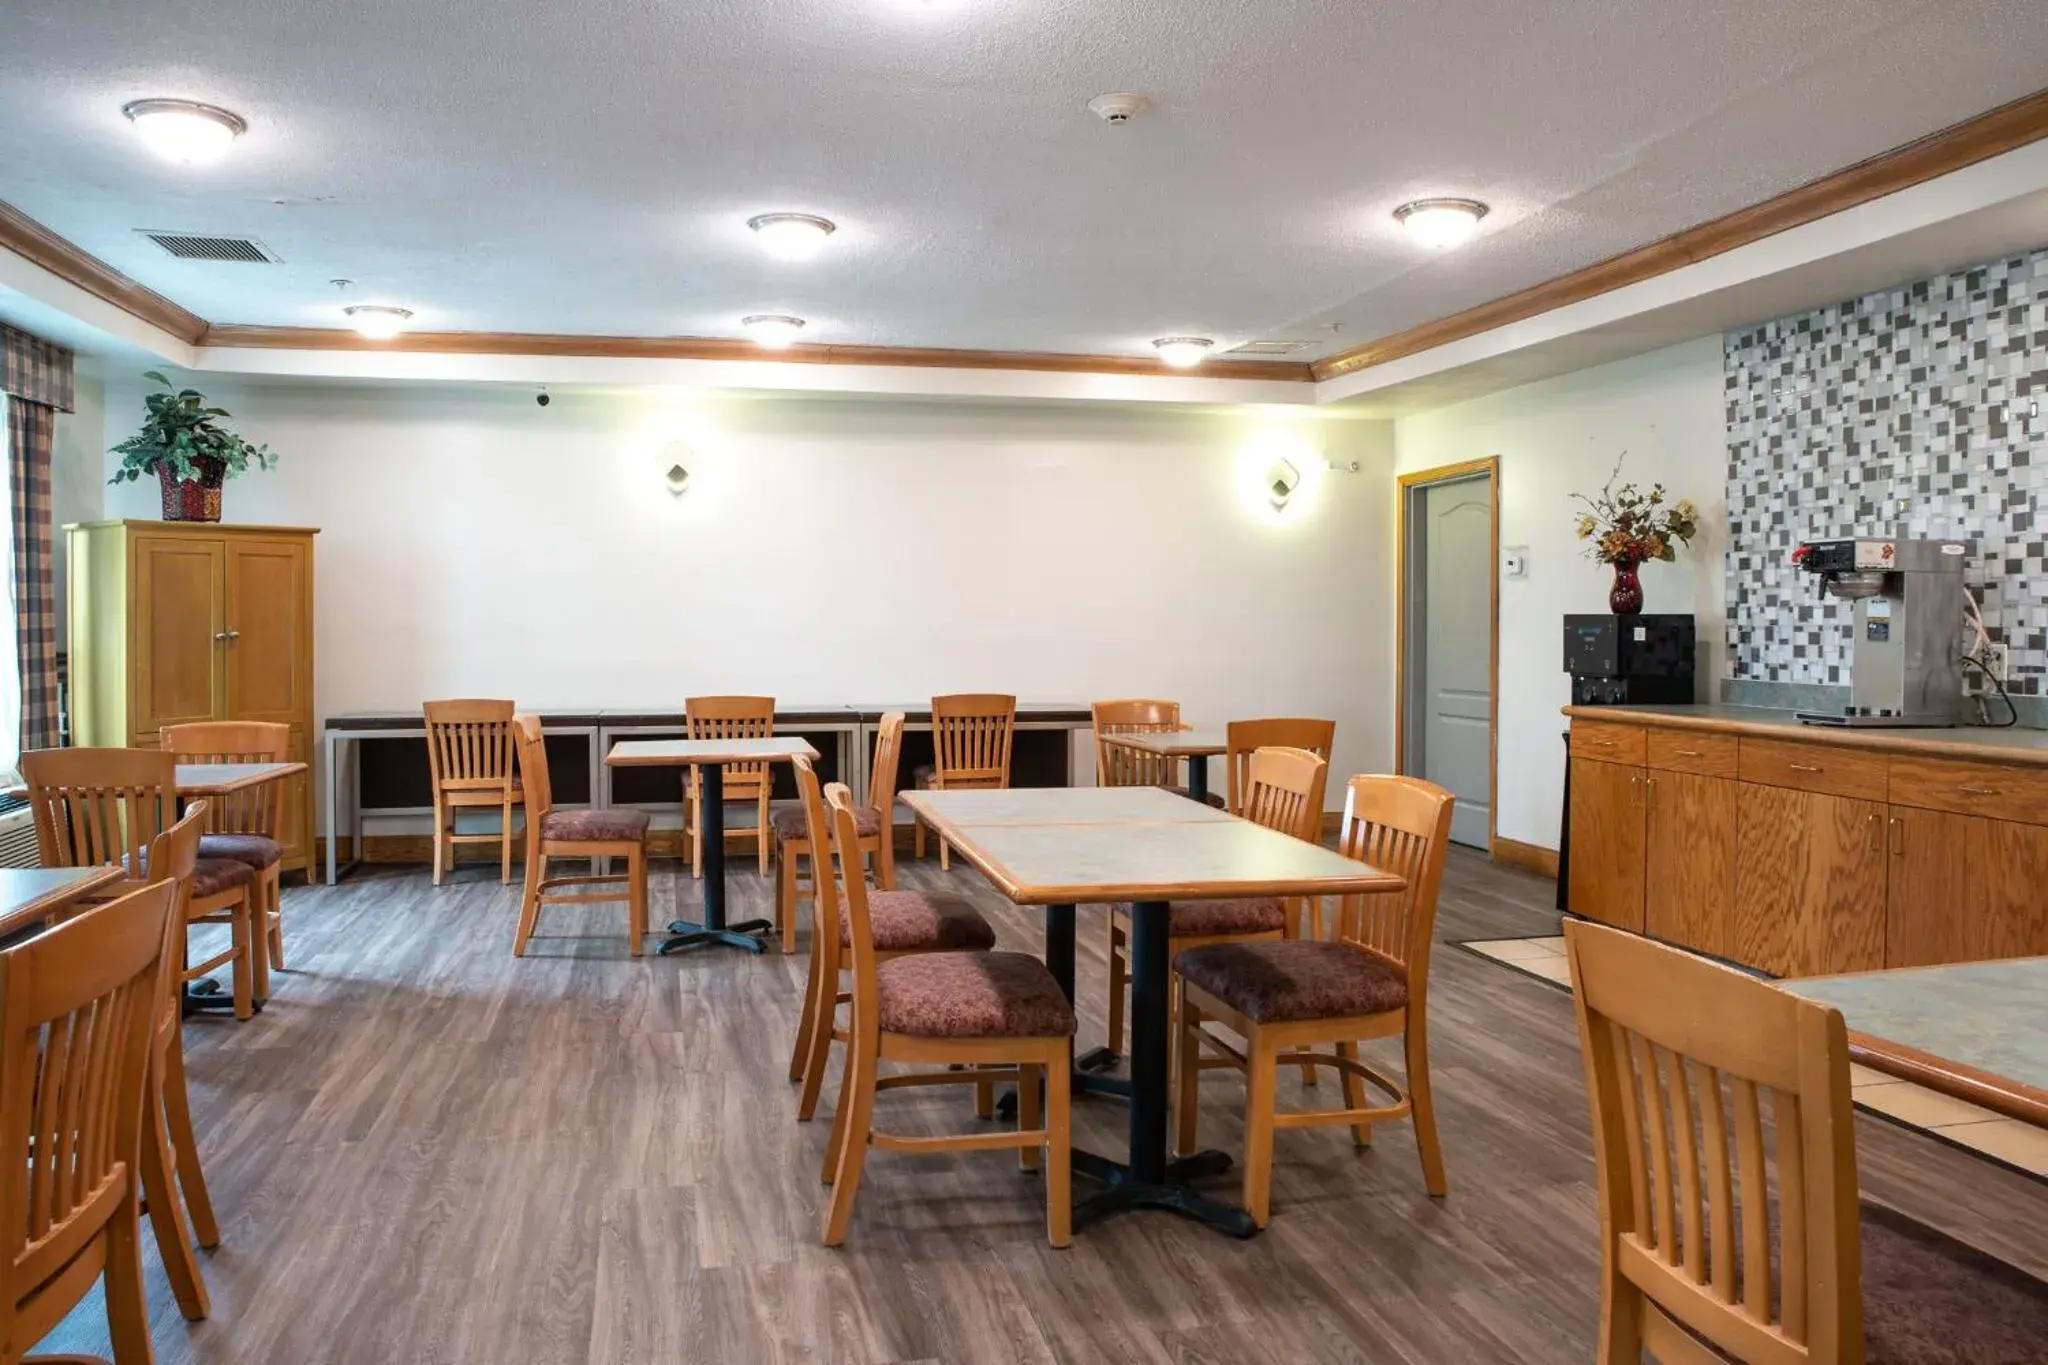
(77, 1014)
(259, 810)
(860, 959)
(888, 761)
(1116, 766)
(1684, 1058)
(1286, 792)
(1244, 737)
(1400, 825)
(971, 734)
(470, 745)
(99, 806)
(733, 718)
(537, 793)
(825, 896)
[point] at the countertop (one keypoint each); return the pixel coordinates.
(1983, 743)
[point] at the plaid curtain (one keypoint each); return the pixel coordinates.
(36, 377)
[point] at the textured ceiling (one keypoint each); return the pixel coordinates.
(588, 168)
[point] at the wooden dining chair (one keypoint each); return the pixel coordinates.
(877, 833)
(245, 826)
(984, 1016)
(899, 922)
(1370, 980)
(1244, 738)
(971, 735)
(78, 1011)
(1286, 794)
(469, 755)
(1116, 766)
(94, 807)
(591, 834)
(745, 783)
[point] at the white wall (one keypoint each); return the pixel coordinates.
(827, 550)
(77, 474)
(1555, 438)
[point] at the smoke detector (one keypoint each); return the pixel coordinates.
(1120, 107)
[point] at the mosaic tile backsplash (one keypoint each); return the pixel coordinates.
(1911, 412)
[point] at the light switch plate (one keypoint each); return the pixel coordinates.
(1514, 562)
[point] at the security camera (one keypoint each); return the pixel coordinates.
(541, 398)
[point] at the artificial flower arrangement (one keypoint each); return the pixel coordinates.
(1625, 526)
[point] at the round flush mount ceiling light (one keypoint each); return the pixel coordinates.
(1441, 223)
(377, 321)
(185, 131)
(1183, 353)
(772, 331)
(792, 236)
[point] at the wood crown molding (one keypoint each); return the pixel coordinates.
(33, 242)
(1964, 144)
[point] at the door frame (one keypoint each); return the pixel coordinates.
(1408, 487)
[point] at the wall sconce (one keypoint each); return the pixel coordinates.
(678, 480)
(1281, 481)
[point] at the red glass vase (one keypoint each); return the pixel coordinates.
(1625, 598)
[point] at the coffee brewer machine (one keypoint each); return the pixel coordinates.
(1905, 659)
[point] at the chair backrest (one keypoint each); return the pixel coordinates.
(174, 857)
(825, 892)
(733, 718)
(1682, 1057)
(1243, 737)
(77, 1018)
(1286, 792)
(259, 810)
(971, 734)
(860, 959)
(1120, 767)
(98, 806)
(469, 744)
(882, 777)
(1400, 825)
(538, 796)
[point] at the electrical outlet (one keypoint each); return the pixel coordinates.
(1974, 682)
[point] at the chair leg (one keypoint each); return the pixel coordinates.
(917, 838)
(945, 855)
(693, 817)
(636, 899)
(800, 1052)
(984, 1099)
(167, 1214)
(1059, 1154)
(529, 902)
(1260, 1096)
(185, 1145)
(1030, 1114)
(842, 1113)
(885, 860)
(505, 846)
(823, 1022)
(856, 1108)
(1187, 1089)
(247, 956)
(1621, 1317)
(1354, 1095)
(273, 891)
(259, 939)
(1423, 1109)
(444, 852)
(761, 837)
(785, 891)
(1119, 979)
(127, 1309)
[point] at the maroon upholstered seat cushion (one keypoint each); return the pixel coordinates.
(1287, 979)
(916, 921)
(789, 823)
(1212, 919)
(257, 850)
(213, 876)
(595, 826)
(971, 995)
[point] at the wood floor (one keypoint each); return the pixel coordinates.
(426, 1150)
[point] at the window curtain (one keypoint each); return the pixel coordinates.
(36, 376)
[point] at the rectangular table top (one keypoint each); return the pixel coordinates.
(661, 753)
(29, 893)
(1195, 743)
(1065, 806)
(220, 779)
(1977, 1029)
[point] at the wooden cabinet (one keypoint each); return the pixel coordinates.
(1964, 888)
(1690, 859)
(1608, 833)
(1809, 883)
(186, 621)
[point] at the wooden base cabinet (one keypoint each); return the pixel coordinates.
(1608, 835)
(1964, 888)
(1809, 883)
(1691, 859)
(189, 621)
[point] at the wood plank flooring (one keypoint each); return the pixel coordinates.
(426, 1150)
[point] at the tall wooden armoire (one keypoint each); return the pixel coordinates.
(182, 621)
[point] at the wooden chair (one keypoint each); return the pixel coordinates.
(793, 835)
(469, 753)
(730, 718)
(1370, 981)
(78, 1010)
(170, 1149)
(245, 826)
(1246, 737)
(94, 807)
(1286, 794)
(990, 1016)
(1119, 767)
(899, 923)
(591, 834)
(971, 734)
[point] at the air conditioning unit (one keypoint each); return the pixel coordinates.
(18, 839)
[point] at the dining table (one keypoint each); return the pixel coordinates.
(30, 895)
(1197, 746)
(709, 756)
(1057, 848)
(1974, 1030)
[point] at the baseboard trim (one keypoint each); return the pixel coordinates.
(1529, 857)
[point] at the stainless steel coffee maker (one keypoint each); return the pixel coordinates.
(1905, 661)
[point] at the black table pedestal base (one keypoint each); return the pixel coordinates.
(1172, 1193)
(683, 934)
(1097, 1059)
(714, 930)
(206, 997)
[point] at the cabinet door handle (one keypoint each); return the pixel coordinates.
(1978, 791)
(1804, 767)
(1649, 793)
(1898, 837)
(1876, 832)
(1688, 753)
(222, 635)
(234, 635)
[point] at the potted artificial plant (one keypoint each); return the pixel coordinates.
(188, 450)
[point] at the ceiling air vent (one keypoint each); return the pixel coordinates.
(187, 246)
(1269, 348)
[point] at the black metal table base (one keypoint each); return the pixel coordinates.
(714, 930)
(206, 997)
(1099, 1059)
(683, 934)
(1173, 1192)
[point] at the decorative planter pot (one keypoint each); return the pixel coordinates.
(1625, 598)
(191, 499)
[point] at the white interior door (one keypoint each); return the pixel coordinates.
(1450, 676)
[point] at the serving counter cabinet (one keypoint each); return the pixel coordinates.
(1803, 851)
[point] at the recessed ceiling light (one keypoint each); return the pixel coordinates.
(377, 321)
(185, 131)
(792, 236)
(1183, 353)
(772, 331)
(1441, 223)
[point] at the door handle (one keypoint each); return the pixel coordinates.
(233, 635)
(1688, 753)
(1649, 793)
(1876, 836)
(1898, 837)
(1804, 767)
(1978, 791)
(222, 635)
